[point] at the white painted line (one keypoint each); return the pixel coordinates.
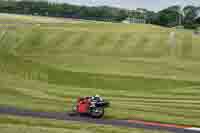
(193, 128)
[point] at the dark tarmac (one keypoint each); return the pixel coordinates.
(122, 123)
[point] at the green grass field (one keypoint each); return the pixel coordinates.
(45, 67)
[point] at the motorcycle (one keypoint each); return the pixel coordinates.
(95, 108)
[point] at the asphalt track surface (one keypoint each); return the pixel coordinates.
(122, 123)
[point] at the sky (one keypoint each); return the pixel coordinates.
(154, 5)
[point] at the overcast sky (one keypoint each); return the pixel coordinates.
(132, 4)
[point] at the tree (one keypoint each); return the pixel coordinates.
(191, 16)
(169, 17)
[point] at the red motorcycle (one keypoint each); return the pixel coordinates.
(93, 106)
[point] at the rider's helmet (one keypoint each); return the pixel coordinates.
(96, 98)
(97, 95)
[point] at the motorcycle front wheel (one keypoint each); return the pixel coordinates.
(97, 112)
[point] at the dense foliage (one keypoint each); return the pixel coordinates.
(173, 16)
(63, 10)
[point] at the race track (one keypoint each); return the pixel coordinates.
(125, 123)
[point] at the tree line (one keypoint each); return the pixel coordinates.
(189, 16)
(44, 8)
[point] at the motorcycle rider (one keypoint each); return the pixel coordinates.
(91, 100)
(95, 99)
